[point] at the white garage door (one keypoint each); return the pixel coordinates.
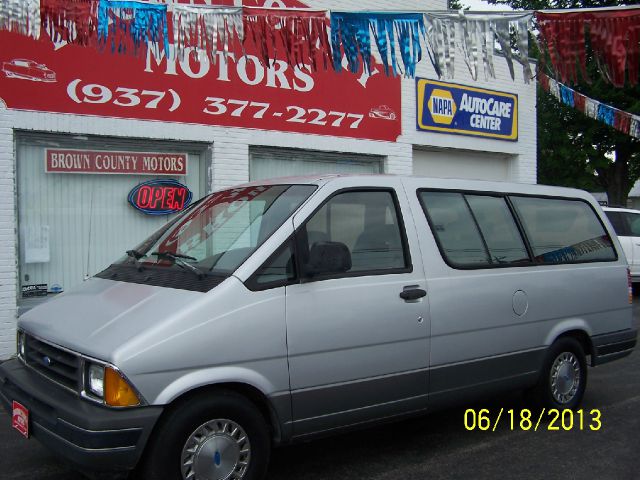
(461, 164)
(283, 162)
(74, 225)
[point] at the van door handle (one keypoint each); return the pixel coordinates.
(413, 294)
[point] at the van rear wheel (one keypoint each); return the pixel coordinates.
(219, 436)
(563, 379)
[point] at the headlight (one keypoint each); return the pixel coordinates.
(20, 347)
(95, 380)
(105, 383)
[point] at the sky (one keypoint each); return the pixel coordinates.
(479, 5)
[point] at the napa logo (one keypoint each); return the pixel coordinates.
(449, 108)
(442, 106)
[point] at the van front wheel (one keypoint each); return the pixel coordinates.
(564, 376)
(210, 437)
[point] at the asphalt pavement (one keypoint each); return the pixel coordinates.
(438, 446)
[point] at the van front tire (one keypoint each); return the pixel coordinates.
(217, 435)
(563, 379)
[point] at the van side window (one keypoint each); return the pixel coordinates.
(563, 231)
(277, 271)
(634, 224)
(455, 229)
(619, 222)
(366, 223)
(498, 228)
(474, 230)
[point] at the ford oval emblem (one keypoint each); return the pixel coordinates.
(47, 361)
(160, 197)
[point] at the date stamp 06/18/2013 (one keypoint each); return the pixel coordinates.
(526, 420)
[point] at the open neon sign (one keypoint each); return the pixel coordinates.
(160, 197)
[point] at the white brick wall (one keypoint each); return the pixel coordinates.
(229, 147)
(8, 261)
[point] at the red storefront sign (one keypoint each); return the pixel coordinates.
(239, 92)
(131, 163)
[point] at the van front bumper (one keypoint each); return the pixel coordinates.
(91, 437)
(612, 346)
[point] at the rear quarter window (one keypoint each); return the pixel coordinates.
(563, 230)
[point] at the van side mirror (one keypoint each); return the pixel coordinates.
(326, 258)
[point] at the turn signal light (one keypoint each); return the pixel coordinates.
(630, 283)
(117, 392)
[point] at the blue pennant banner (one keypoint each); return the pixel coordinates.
(566, 95)
(351, 35)
(606, 114)
(143, 22)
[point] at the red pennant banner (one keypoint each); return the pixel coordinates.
(614, 36)
(70, 21)
(302, 34)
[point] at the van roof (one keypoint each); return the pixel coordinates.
(432, 182)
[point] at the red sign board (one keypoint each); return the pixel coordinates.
(132, 163)
(20, 418)
(239, 92)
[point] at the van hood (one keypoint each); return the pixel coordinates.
(100, 316)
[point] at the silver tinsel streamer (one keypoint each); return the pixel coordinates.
(554, 88)
(475, 35)
(634, 129)
(591, 107)
(21, 16)
(437, 39)
(208, 29)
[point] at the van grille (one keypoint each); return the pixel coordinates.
(58, 365)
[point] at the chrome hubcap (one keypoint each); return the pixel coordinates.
(216, 450)
(565, 377)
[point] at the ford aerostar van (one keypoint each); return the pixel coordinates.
(280, 311)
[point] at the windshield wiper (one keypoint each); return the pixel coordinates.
(179, 259)
(136, 255)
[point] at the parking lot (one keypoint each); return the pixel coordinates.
(438, 446)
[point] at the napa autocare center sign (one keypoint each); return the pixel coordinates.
(234, 91)
(450, 108)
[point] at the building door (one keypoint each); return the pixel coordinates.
(451, 163)
(286, 162)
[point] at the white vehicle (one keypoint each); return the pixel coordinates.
(626, 223)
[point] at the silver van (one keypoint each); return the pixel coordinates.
(279, 311)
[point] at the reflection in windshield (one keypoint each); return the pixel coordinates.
(220, 233)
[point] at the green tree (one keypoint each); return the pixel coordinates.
(574, 150)
(456, 5)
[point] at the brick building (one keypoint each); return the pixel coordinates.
(59, 228)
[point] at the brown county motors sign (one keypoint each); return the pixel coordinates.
(106, 162)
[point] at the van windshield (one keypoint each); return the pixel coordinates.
(221, 231)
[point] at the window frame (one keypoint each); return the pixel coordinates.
(507, 196)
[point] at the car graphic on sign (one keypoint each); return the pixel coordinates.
(384, 112)
(28, 70)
